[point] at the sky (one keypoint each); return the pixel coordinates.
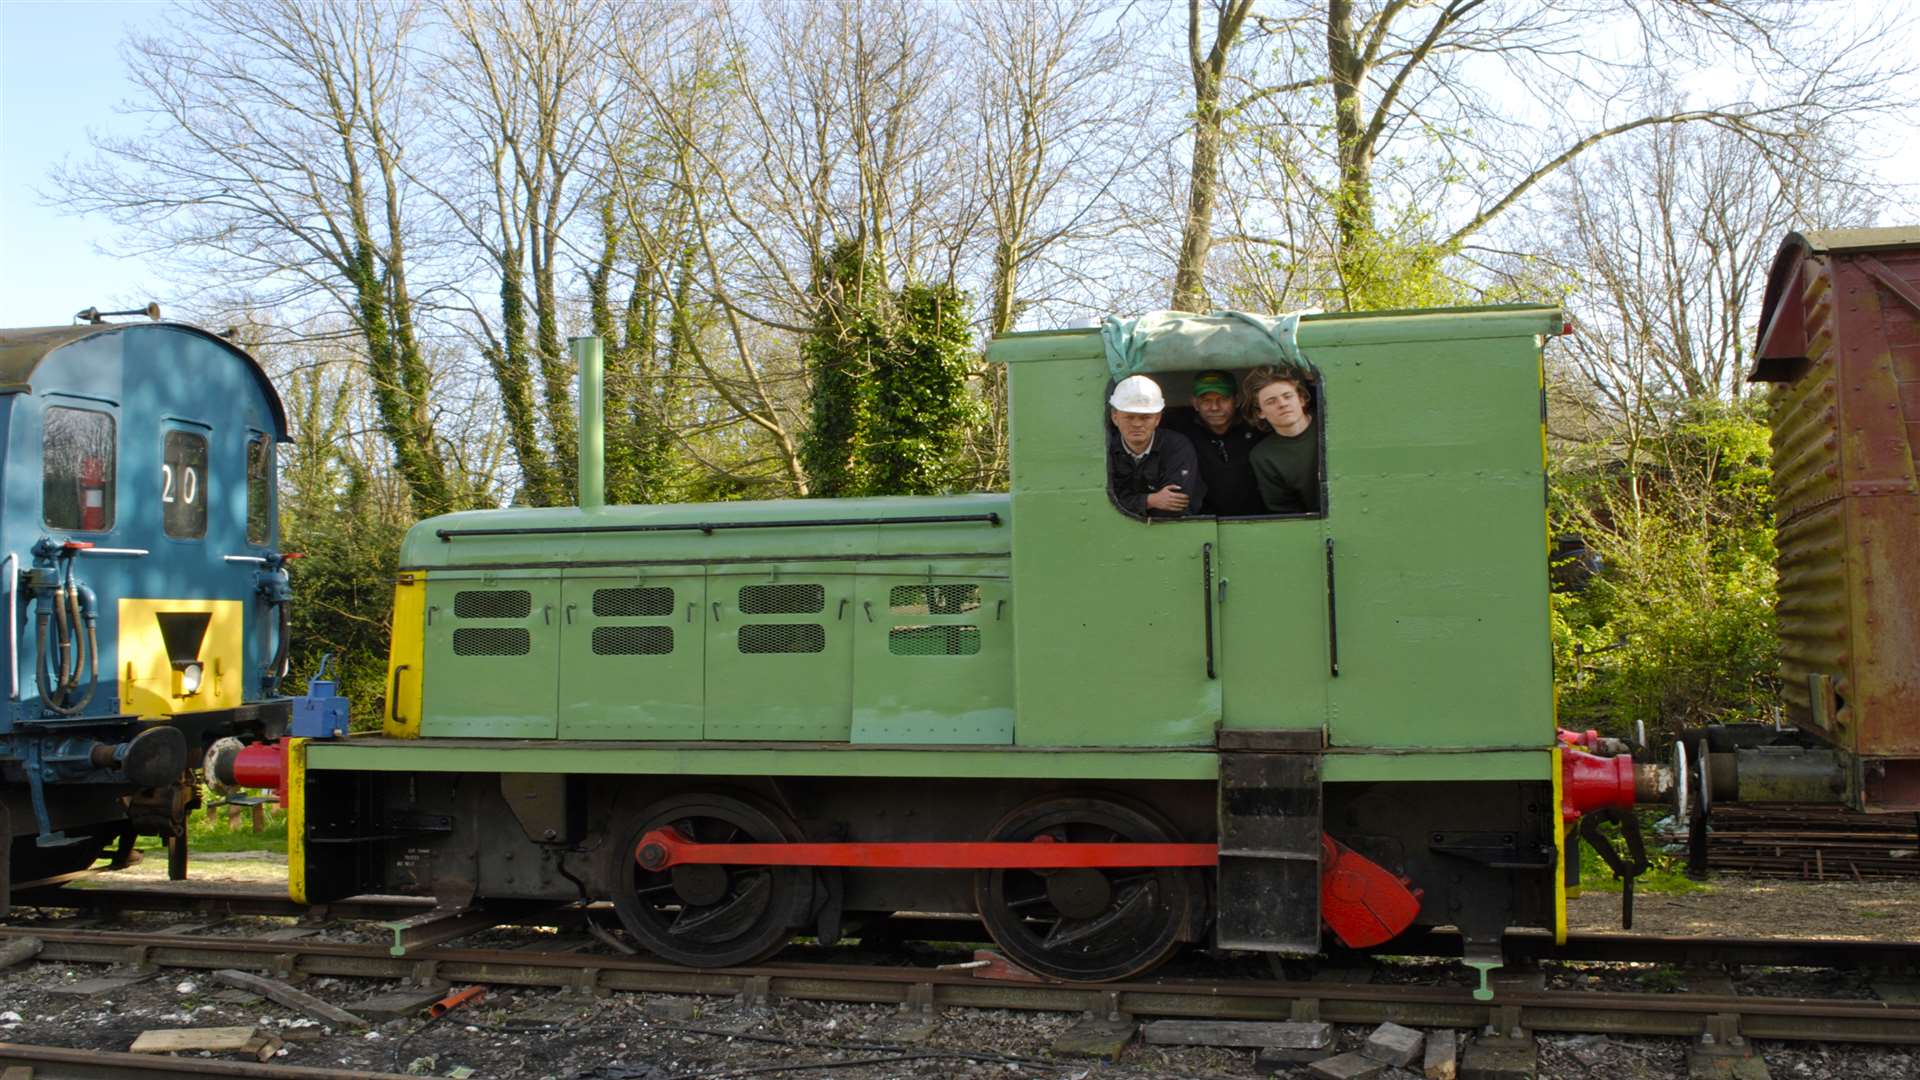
(61, 76)
(60, 73)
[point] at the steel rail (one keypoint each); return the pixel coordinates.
(1686, 1015)
(1536, 945)
(63, 1063)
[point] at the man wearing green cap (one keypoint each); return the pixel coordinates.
(1223, 443)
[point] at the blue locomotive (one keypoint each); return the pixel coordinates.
(148, 599)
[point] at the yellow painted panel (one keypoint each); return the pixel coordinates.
(1560, 860)
(149, 684)
(406, 659)
(297, 820)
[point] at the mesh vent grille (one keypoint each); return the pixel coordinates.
(657, 600)
(933, 599)
(632, 640)
(933, 640)
(783, 600)
(783, 638)
(492, 604)
(492, 641)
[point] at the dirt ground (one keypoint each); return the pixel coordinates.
(525, 1033)
(1739, 907)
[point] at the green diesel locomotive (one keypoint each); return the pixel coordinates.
(1104, 735)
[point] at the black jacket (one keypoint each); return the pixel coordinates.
(1170, 460)
(1224, 463)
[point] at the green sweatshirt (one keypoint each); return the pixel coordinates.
(1287, 468)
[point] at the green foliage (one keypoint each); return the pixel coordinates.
(1677, 628)
(641, 403)
(1397, 267)
(347, 525)
(890, 409)
(1665, 876)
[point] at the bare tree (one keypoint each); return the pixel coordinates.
(1406, 129)
(273, 157)
(1208, 64)
(522, 85)
(1660, 244)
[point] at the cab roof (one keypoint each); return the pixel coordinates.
(23, 350)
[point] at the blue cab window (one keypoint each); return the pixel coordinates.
(77, 470)
(183, 485)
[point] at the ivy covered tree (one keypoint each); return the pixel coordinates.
(890, 404)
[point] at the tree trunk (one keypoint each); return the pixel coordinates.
(1353, 199)
(1196, 236)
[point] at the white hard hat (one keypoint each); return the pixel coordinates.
(1137, 394)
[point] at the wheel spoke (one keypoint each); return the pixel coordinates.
(1132, 920)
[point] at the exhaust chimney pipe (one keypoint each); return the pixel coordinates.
(592, 468)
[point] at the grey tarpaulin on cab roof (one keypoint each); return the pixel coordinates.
(1184, 341)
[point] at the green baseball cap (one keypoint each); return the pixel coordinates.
(1213, 382)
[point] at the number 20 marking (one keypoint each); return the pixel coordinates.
(189, 487)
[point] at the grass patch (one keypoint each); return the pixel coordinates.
(1665, 876)
(209, 830)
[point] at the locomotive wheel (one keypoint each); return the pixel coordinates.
(1088, 925)
(710, 916)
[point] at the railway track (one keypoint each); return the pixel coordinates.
(1891, 957)
(1688, 1015)
(62, 1063)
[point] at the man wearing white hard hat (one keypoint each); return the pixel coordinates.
(1151, 473)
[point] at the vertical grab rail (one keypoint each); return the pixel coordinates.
(1333, 619)
(1206, 599)
(12, 565)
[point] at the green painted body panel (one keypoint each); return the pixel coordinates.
(718, 759)
(1073, 638)
(614, 683)
(379, 754)
(474, 686)
(1275, 592)
(805, 694)
(1110, 632)
(938, 672)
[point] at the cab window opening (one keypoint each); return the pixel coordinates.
(78, 466)
(1207, 432)
(259, 489)
(183, 485)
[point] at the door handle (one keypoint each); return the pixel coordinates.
(691, 608)
(716, 611)
(393, 694)
(1206, 601)
(867, 605)
(842, 612)
(1333, 620)
(570, 608)
(546, 614)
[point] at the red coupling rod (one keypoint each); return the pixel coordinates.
(663, 848)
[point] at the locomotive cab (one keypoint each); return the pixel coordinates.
(145, 593)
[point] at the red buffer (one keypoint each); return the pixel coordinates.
(258, 765)
(1589, 782)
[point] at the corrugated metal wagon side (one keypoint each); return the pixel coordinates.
(1840, 342)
